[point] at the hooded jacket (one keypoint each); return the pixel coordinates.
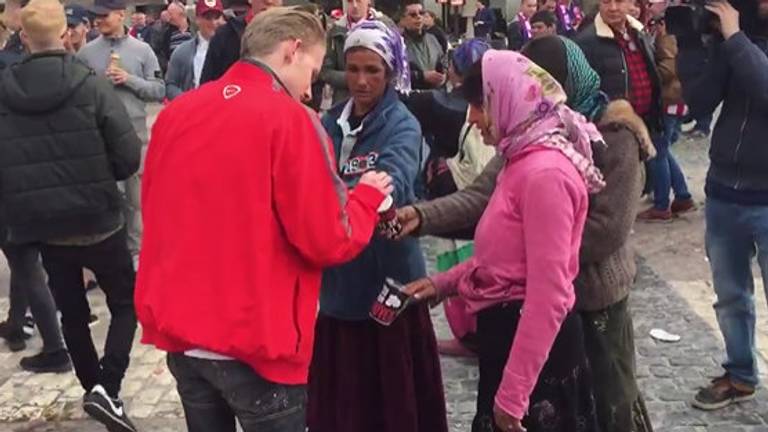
(63, 146)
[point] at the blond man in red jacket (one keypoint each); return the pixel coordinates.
(236, 310)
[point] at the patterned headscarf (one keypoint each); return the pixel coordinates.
(468, 53)
(527, 107)
(387, 43)
(583, 84)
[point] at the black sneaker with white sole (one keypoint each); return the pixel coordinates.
(107, 411)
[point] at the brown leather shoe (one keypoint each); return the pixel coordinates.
(655, 215)
(723, 391)
(683, 206)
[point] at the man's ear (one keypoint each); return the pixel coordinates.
(291, 49)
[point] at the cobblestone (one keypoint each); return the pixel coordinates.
(669, 374)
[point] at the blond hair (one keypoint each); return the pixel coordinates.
(43, 21)
(269, 28)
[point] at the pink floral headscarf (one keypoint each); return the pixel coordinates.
(527, 107)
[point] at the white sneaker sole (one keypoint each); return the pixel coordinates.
(723, 404)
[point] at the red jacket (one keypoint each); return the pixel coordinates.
(242, 210)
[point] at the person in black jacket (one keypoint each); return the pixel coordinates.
(63, 147)
(224, 48)
(623, 56)
(736, 188)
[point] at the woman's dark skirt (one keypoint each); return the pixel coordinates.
(562, 400)
(366, 377)
(610, 345)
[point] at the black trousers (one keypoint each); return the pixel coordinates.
(215, 392)
(112, 264)
(30, 290)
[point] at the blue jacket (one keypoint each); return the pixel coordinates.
(390, 141)
(736, 74)
(180, 76)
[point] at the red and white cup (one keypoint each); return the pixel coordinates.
(392, 301)
(388, 225)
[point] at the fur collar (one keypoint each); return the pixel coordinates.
(621, 113)
(604, 31)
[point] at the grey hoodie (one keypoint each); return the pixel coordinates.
(145, 83)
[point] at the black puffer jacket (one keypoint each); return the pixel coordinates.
(65, 139)
(224, 49)
(607, 59)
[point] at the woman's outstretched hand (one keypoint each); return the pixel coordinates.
(423, 289)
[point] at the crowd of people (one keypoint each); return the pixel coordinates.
(255, 253)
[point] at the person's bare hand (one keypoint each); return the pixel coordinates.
(410, 221)
(506, 422)
(379, 180)
(434, 78)
(729, 17)
(423, 289)
(117, 76)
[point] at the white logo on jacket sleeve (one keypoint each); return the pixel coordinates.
(231, 91)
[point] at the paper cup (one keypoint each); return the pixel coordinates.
(388, 225)
(390, 302)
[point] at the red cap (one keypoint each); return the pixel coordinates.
(204, 6)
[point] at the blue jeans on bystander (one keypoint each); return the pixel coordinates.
(735, 235)
(665, 171)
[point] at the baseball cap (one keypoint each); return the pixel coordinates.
(104, 7)
(204, 6)
(76, 14)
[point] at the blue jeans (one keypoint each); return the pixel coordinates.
(665, 171)
(735, 235)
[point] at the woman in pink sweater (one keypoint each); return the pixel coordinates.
(533, 370)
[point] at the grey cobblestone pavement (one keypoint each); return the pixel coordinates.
(669, 375)
(677, 301)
